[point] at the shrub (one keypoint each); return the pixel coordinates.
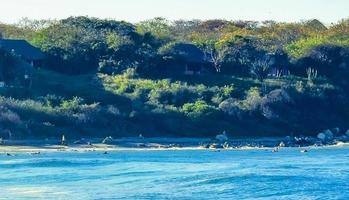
(72, 104)
(9, 117)
(252, 100)
(303, 46)
(231, 107)
(197, 109)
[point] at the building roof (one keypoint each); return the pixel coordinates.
(21, 48)
(188, 52)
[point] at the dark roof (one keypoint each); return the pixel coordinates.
(21, 48)
(188, 52)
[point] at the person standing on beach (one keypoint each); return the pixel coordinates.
(63, 141)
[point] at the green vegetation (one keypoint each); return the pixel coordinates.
(182, 78)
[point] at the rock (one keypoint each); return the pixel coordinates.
(347, 133)
(288, 138)
(329, 134)
(273, 103)
(141, 145)
(326, 136)
(282, 144)
(321, 136)
(226, 145)
(222, 137)
(336, 130)
(215, 146)
(108, 140)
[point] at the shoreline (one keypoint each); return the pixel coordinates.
(154, 144)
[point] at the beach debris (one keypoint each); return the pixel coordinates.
(36, 153)
(105, 152)
(108, 140)
(222, 137)
(8, 154)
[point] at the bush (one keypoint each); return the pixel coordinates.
(197, 109)
(231, 107)
(72, 104)
(275, 103)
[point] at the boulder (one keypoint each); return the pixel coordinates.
(226, 145)
(326, 135)
(222, 137)
(282, 144)
(278, 103)
(321, 136)
(336, 130)
(347, 133)
(216, 146)
(329, 134)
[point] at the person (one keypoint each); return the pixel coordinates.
(63, 141)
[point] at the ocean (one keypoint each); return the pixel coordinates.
(321, 173)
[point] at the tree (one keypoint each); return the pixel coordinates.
(76, 45)
(159, 27)
(215, 54)
(239, 54)
(260, 69)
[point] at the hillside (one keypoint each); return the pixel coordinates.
(100, 105)
(156, 78)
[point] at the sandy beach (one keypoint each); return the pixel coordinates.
(88, 145)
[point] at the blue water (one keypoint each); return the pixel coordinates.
(252, 174)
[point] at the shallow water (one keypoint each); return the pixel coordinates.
(250, 174)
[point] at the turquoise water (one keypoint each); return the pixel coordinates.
(252, 174)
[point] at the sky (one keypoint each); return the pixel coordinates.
(327, 11)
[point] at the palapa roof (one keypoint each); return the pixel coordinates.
(188, 52)
(21, 48)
